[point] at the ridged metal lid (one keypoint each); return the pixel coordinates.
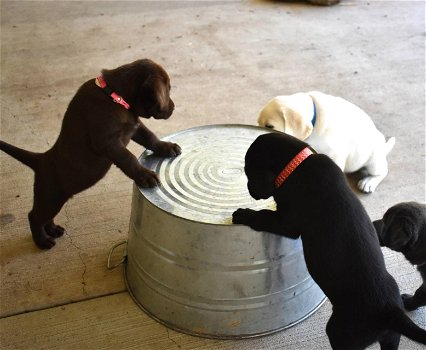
(206, 183)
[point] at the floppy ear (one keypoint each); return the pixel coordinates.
(261, 184)
(398, 238)
(296, 125)
(297, 112)
(161, 93)
(399, 233)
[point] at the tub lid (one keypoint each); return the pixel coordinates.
(206, 183)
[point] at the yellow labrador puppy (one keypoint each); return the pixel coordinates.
(335, 127)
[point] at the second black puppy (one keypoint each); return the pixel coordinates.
(340, 244)
(403, 229)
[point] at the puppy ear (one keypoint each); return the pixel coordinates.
(399, 234)
(296, 125)
(162, 94)
(398, 239)
(261, 185)
(297, 112)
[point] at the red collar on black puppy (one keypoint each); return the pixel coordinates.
(290, 167)
(99, 81)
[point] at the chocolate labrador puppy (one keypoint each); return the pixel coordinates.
(340, 244)
(101, 119)
(403, 229)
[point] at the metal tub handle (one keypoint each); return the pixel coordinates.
(111, 252)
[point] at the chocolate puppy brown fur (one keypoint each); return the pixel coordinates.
(403, 229)
(340, 245)
(94, 135)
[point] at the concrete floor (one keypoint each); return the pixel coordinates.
(225, 59)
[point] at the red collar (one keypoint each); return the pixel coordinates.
(290, 167)
(99, 81)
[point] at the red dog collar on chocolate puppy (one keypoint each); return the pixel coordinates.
(99, 81)
(290, 167)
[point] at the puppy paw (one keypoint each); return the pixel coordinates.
(148, 179)
(167, 149)
(242, 216)
(369, 183)
(43, 240)
(53, 230)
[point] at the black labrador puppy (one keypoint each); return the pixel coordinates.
(340, 244)
(403, 229)
(100, 121)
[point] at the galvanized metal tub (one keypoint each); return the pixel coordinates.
(189, 267)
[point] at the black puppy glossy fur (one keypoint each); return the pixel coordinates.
(341, 248)
(94, 135)
(403, 229)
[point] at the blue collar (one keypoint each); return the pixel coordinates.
(314, 118)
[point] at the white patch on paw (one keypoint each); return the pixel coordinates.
(369, 184)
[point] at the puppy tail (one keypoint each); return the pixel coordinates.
(401, 323)
(389, 144)
(30, 159)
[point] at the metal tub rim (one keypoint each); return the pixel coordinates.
(189, 130)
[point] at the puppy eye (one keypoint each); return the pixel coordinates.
(269, 126)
